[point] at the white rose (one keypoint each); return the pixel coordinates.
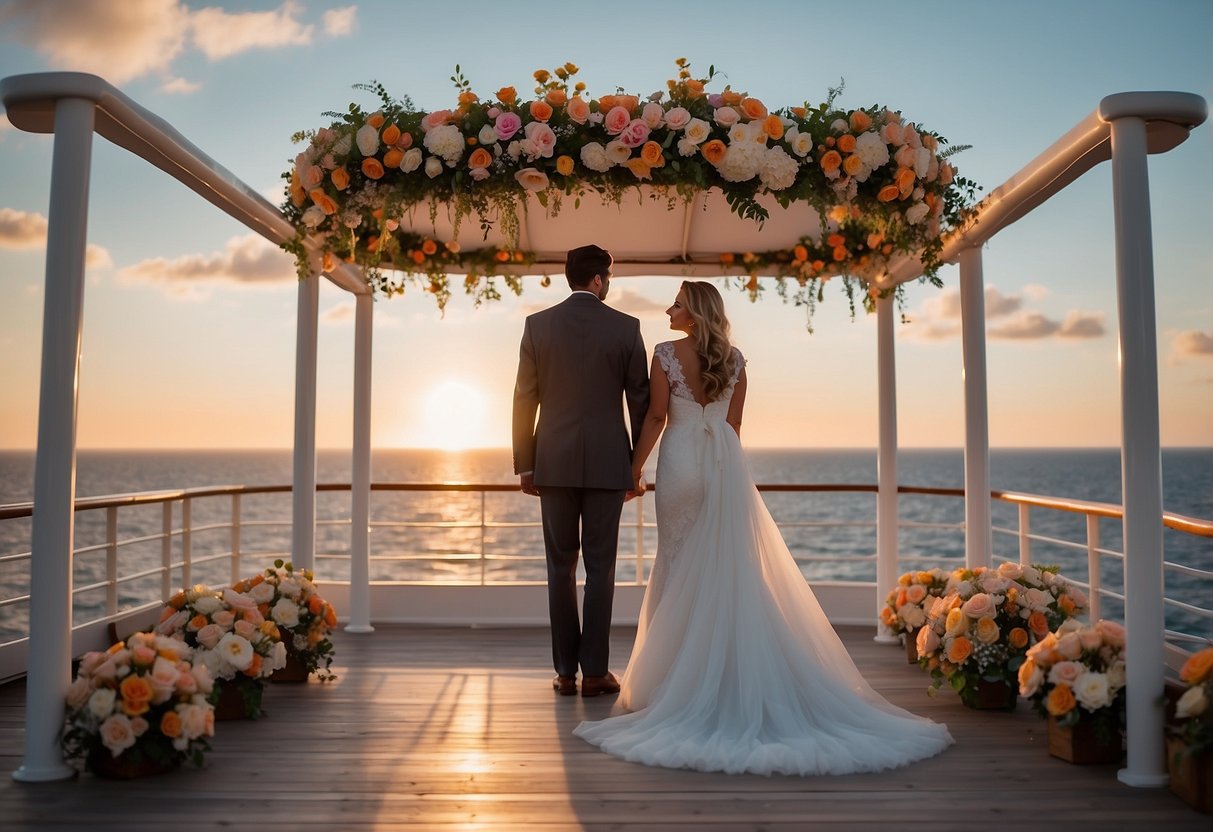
(433, 166)
(487, 135)
(514, 148)
(194, 721)
(801, 143)
(411, 160)
(279, 656)
(1010, 569)
(922, 161)
(445, 141)
(203, 680)
(368, 140)
(726, 117)
(117, 734)
(1091, 691)
(342, 146)
(741, 161)
(312, 217)
(677, 118)
(262, 593)
(1037, 599)
(740, 132)
(1194, 702)
(1116, 675)
(778, 170)
(697, 131)
(207, 604)
(177, 620)
(285, 613)
(618, 152)
(593, 156)
(235, 650)
(917, 212)
(101, 703)
(840, 125)
(1031, 575)
(872, 151)
(532, 179)
(686, 147)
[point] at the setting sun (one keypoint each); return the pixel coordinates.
(454, 417)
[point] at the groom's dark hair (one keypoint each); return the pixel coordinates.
(584, 262)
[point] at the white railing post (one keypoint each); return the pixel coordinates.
(886, 463)
(166, 551)
(111, 561)
(483, 531)
(303, 493)
(1025, 534)
(979, 534)
(187, 543)
(1094, 578)
(1141, 458)
(360, 483)
(235, 530)
(52, 534)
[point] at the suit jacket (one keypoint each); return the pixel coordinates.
(577, 362)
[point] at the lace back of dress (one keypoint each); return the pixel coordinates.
(678, 380)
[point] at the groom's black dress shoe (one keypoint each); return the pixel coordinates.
(565, 685)
(595, 685)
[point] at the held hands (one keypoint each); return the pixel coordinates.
(638, 486)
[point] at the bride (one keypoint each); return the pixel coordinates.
(735, 666)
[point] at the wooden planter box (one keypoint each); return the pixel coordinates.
(1080, 744)
(1191, 775)
(911, 642)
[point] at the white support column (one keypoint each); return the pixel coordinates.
(979, 535)
(360, 502)
(886, 463)
(303, 493)
(1141, 459)
(50, 618)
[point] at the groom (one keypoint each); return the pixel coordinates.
(577, 361)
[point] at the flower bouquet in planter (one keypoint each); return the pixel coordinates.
(139, 708)
(905, 607)
(1190, 740)
(288, 597)
(978, 633)
(1076, 678)
(236, 643)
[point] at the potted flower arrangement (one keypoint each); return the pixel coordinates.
(1190, 744)
(288, 597)
(978, 633)
(230, 636)
(1075, 677)
(363, 185)
(139, 708)
(905, 608)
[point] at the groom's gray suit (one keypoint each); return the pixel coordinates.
(577, 362)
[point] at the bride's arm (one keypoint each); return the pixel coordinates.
(737, 405)
(654, 419)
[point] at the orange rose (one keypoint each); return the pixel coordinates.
(640, 168)
(393, 158)
(315, 605)
(541, 110)
(987, 630)
(835, 240)
(773, 127)
(372, 168)
(852, 164)
(840, 254)
(905, 180)
(298, 195)
(391, 134)
(800, 253)
(502, 256)
(1060, 700)
(628, 102)
(324, 201)
(376, 120)
(727, 258)
(480, 159)
(714, 151)
(330, 616)
(651, 154)
(959, 649)
(860, 121)
(564, 165)
(170, 724)
(429, 247)
(753, 109)
(507, 95)
(254, 667)
(730, 98)
(1066, 604)
(1018, 638)
(799, 112)
(557, 97)
(1198, 667)
(607, 102)
(888, 193)
(135, 690)
(466, 99)
(818, 265)
(694, 88)
(417, 256)
(198, 622)
(846, 143)
(831, 161)
(1038, 624)
(578, 109)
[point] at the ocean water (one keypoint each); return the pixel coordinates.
(841, 550)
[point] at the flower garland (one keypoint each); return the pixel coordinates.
(881, 185)
(142, 700)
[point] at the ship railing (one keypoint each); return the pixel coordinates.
(188, 550)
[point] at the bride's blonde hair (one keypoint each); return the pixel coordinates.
(710, 334)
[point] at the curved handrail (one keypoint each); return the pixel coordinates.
(1179, 522)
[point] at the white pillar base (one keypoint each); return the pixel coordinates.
(1142, 781)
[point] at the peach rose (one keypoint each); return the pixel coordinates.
(541, 110)
(117, 734)
(772, 126)
(927, 641)
(831, 161)
(846, 143)
(564, 165)
(1018, 638)
(480, 158)
(1198, 666)
(341, 178)
(1060, 700)
(135, 690)
(1064, 673)
(616, 120)
(987, 631)
(1070, 645)
(860, 121)
(391, 134)
(1038, 624)
(753, 109)
(959, 649)
(651, 154)
(957, 622)
(531, 179)
(888, 193)
(170, 724)
(1030, 678)
(557, 98)
(979, 605)
(714, 151)
(694, 88)
(578, 110)
(640, 168)
(393, 158)
(372, 168)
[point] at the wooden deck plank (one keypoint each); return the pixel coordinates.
(454, 728)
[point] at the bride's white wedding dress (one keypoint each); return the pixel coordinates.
(735, 666)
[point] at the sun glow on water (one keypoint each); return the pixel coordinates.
(455, 417)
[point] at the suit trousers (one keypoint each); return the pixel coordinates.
(585, 519)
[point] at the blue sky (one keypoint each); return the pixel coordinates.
(189, 323)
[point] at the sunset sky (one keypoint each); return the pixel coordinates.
(190, 320)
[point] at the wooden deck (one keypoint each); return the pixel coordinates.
(451, 728)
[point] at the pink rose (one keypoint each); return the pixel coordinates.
(1064, 673)
(677, 118)
(532, 179)
(311, 176)
(116, 734)
(90, 662)
(726, 117)
(143, 655)
(209, 635)
(979, 606)
(616, 120)
(506, 125)
(139, 726)
(245, 629)
(78, 692)
(1091, 638)
(1113, 633)
(653, 114)
(928, 641)
(434, 119)
(635, 134)
(1069, 645)
(224, 618)
(542, 137)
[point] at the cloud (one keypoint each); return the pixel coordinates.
(342, 313)
(96, 257)
(220, 34)
(27, 230)
(1192, 343)
(248, 259)
(340, 22)
(118, 41)
(634, 303)
(946, 304)
(1082, 325)
(179, 86)
(1006, 317)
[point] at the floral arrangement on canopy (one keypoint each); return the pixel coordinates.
(288, 597)
(881, 185)
(1078, 674)
(143, 702)
(230, 637)
(981, 628)
(905, 607)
